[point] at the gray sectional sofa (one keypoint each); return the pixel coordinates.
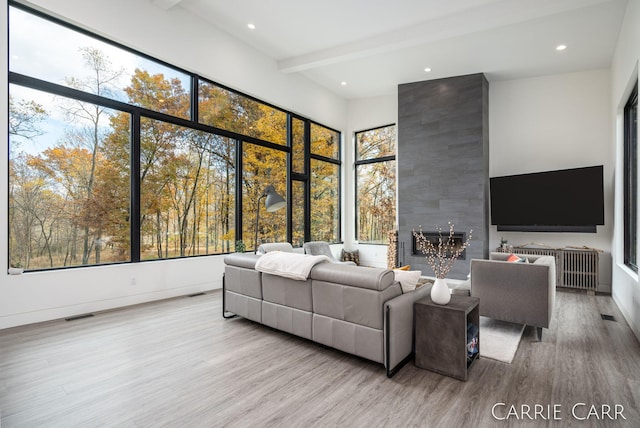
(355, 309)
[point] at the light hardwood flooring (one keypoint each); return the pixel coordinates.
(178, 363)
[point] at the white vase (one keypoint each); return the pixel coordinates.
(440, 292)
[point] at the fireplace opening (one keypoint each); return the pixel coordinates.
(458, 239)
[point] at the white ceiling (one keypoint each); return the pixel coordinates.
(374, 45)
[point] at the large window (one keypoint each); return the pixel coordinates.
(118, 157)
(631, 180)
(48, 51)
(263, 166)
(69, 181)
(375, 184)
(325, 184)
(325, 201)
(226, 109)
(186, 191)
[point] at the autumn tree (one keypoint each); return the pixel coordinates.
(224, 109)
(160, 147)
(25, 189)
(325, 186)
(113, 182)
(25, 118)
(103, 80)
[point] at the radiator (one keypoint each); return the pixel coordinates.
(575, 268)
(580, 269)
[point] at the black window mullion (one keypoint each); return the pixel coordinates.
(356, 228)
(135, 211)
(307, 187)
(238, 216)
(195, 113)
(375, 160)
(64, 91)
(339, 237)
(289, 179)
(324, 159)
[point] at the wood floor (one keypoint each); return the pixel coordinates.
(178, 363)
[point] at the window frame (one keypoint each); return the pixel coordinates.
(630, 213)
(358, 162)
(138, 112)
(309, 155)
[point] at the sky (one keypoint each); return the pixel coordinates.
(51, 52)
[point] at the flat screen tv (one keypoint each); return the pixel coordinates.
(568, 200)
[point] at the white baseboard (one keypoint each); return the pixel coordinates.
(51, 314)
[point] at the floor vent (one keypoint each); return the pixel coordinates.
(78, 317)
(196, 295)
(608, 317)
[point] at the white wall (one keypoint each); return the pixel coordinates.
(624, 73)
(177, 38)
(555, 122)
(363, 114)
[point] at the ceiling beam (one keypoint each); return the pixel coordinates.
(165, 4)
(493, 15)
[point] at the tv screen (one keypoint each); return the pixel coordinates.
(569, 200)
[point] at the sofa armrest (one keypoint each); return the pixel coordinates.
(399, 328)
(243, 260)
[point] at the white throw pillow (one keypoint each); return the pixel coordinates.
(407, 279)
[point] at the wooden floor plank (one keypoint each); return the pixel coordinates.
(179, 363)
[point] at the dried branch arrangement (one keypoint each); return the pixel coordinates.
(442, 256)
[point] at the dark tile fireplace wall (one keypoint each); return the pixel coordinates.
(443, 165)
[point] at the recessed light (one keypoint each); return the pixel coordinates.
(343, 83)
(428, 69)
(251, 26)
(561, 47)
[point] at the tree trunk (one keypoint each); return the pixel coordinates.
(159, 234)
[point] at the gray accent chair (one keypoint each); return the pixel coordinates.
(321, 248)
(522, 293)
(359, 310)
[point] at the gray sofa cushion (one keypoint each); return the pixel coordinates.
(322, 248)
(287, 319)
(356, 276)
(348, 337)
(243, 281)
(318, 248)
(245, 306)
(275, 246)
(353, 304)
(287, 292)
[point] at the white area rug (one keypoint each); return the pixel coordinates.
(499, 340)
